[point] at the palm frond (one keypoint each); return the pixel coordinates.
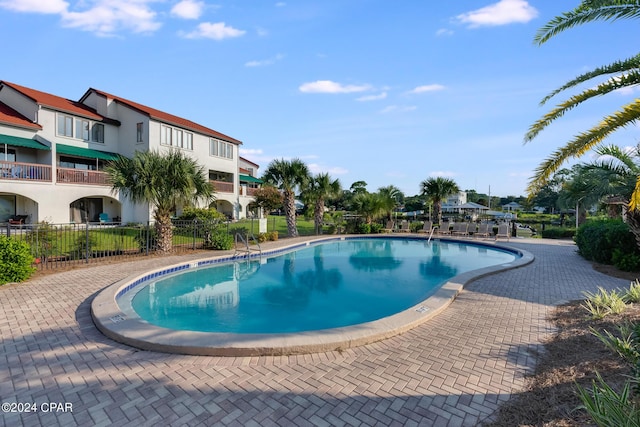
(588, 11)
(583, 142)
(627, 67)
(602, 89)
(634, 204)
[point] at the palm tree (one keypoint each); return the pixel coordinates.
(164, 181)
(392, 197)
(317, 191)
(287, 176)
(436, 190)
(622, 74)
(369, 205)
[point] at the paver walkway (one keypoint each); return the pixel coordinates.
(454, 370)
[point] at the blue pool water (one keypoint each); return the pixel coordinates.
(321, 286)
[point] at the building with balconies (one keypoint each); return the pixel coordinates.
(53, 151)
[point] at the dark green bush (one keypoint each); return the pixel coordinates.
(376, 228)
(15, 260)
(597, 240)
(625, 262)
(558, 232)
(222, 241)
(363, 228)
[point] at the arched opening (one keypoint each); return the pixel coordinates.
(14, 205)
(223, 206)
(95, 209)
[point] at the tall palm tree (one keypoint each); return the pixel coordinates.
(436, 190)
(622, 74)
(317, 191)
(164, 181)
(392, 197)
(288, 176)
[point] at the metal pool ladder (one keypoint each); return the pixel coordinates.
(431, 234)
(242, 245)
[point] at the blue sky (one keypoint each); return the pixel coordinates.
(389, 92)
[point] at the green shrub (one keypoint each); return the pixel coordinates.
(221, 241)
(363, 228)
(376, 228)
(597, 240)
(625, 262)
(558, 232)
(202, 215)
(43, 240)
(601, 303)
(15, 260)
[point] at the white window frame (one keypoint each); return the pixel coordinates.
(97, 135)
(166, 135)
(67, 125)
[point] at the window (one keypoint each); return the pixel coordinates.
(80, 163)
(188, 141)
(177, 138)
(82, 129)
(9, 155)
(97, 132)
(139, 132)
(220, 148)
(65, 125)
(165, 135)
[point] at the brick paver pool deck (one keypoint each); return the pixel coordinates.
(454, 370)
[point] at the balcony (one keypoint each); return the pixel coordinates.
(247, 191)
(81, 176)
(222, 186)
(25, 171)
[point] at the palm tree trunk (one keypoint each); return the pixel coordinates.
(437, 215)
(633, 220)
(164, 230)
(290, 214)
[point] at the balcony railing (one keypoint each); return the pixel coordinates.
(81, 176)
(247, 191)
(222, 187)
(25, 171)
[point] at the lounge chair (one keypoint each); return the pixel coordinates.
(103, 217)
(460, 229)
(504, 231)
(444, 229)
(427, 227)
(389, 227)
(18, 219)
(404, 226)
(484, 230)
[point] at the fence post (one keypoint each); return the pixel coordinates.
(87, 248)
(147, 237)
(195, 224)
(8, 230)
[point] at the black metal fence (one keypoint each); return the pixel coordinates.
(57, 245)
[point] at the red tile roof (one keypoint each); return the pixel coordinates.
(166, 117)
(11, 117)
(55, 102)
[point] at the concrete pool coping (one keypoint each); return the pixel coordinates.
(121, 326)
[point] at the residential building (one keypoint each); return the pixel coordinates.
(453, 201)
(53, 151)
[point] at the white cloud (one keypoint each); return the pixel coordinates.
(251, 151)
(215, 31)
(106, 17)
(328, 86)
(281, 4)
(264, 62)
(501, 13)
(35, 6)
(398, 109)
(427, 88)
(383, 95)
(444, 32)
(188, 9)
(331, 170)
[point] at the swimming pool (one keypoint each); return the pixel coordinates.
(328, 285)
(324, 294)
